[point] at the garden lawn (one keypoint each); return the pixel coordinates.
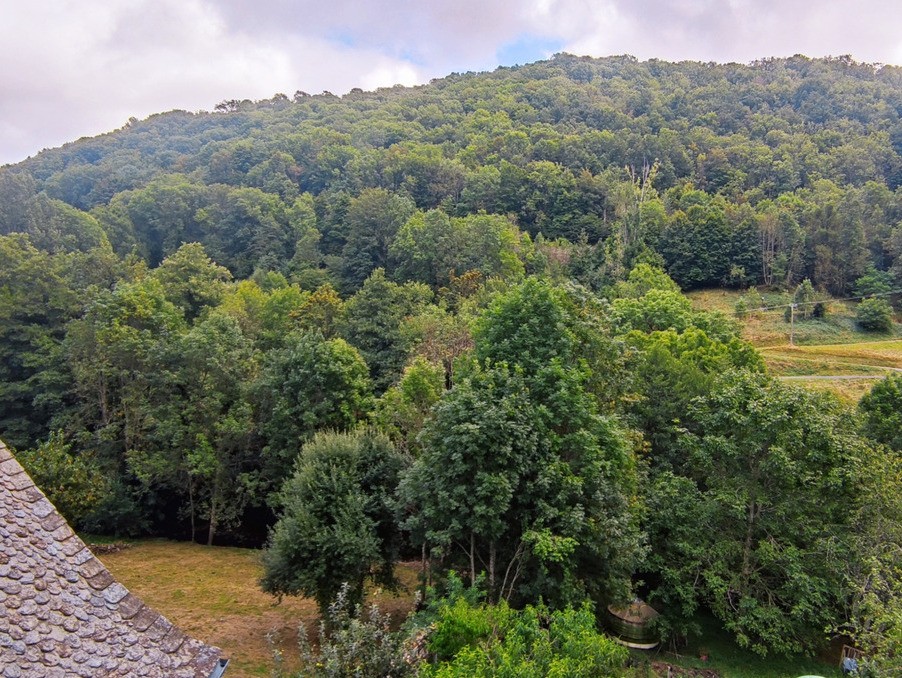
(211, 593)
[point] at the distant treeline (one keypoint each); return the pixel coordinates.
(769, 173)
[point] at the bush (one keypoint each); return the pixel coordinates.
(532, 642)
(352, 642)
(874, 315)
(337, 526)
(74, 483)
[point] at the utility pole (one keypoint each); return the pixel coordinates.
(792, 323)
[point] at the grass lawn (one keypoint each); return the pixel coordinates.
(211, 593)
(731, 661)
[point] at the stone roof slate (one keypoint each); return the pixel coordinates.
(61, 612)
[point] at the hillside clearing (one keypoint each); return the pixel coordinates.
(832, 352)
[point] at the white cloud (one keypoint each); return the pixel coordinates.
(71, 68)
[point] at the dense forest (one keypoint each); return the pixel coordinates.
(446, 322)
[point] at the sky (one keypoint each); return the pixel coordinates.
(74, 68)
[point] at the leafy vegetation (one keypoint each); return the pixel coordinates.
(446, 322)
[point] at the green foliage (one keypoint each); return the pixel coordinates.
(55, 227)
(873, 282)
(684, 366)
(660, 310)
(654, 311)
(771, 470)
(882, 408)
(117, 353)
(191, 280)
(201, 440)
(372, 221)
(74, 483)
(372, 323)
(874, 315)
(479, 451)
(441, 336)
(874, 576)
(353, 642)
(805, 299)
(642, 279)
(459, 624)
(433, 247)
(519, 471)
(336, 519)
(402, 410)
(495, 640)
(37, 299)
(309, 385)
(528, 327)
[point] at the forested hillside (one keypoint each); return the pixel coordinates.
(764, 172)
(447, 322)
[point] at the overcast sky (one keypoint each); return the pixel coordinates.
(73, 68)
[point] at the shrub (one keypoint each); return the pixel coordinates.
(352, 642)
(74, 483)
(532, 642)
(874, 315)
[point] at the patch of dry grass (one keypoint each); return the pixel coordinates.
(211, 593)
(882, 353)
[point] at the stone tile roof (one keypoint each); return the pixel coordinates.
(61, 612)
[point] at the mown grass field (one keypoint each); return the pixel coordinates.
(831, 353)
(211, 593)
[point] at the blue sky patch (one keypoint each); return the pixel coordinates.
(526, 49)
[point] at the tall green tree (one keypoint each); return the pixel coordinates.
(191, 280)
(551, 517)
(373, 219)
(311, 384)
(373, 324)
(336, 525)
(874, 577)
(882, 408)
(764, 500)
(202, 440)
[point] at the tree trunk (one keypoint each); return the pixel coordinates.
(191, 509)
(213, 518)
(424, 574)
(492, 570)
(472, 559)
(747, 547)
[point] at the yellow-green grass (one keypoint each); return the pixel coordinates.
(867, 358)
(869, 361)
(887, 353)
(830, 346)
(211, 593)
(769, 328)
